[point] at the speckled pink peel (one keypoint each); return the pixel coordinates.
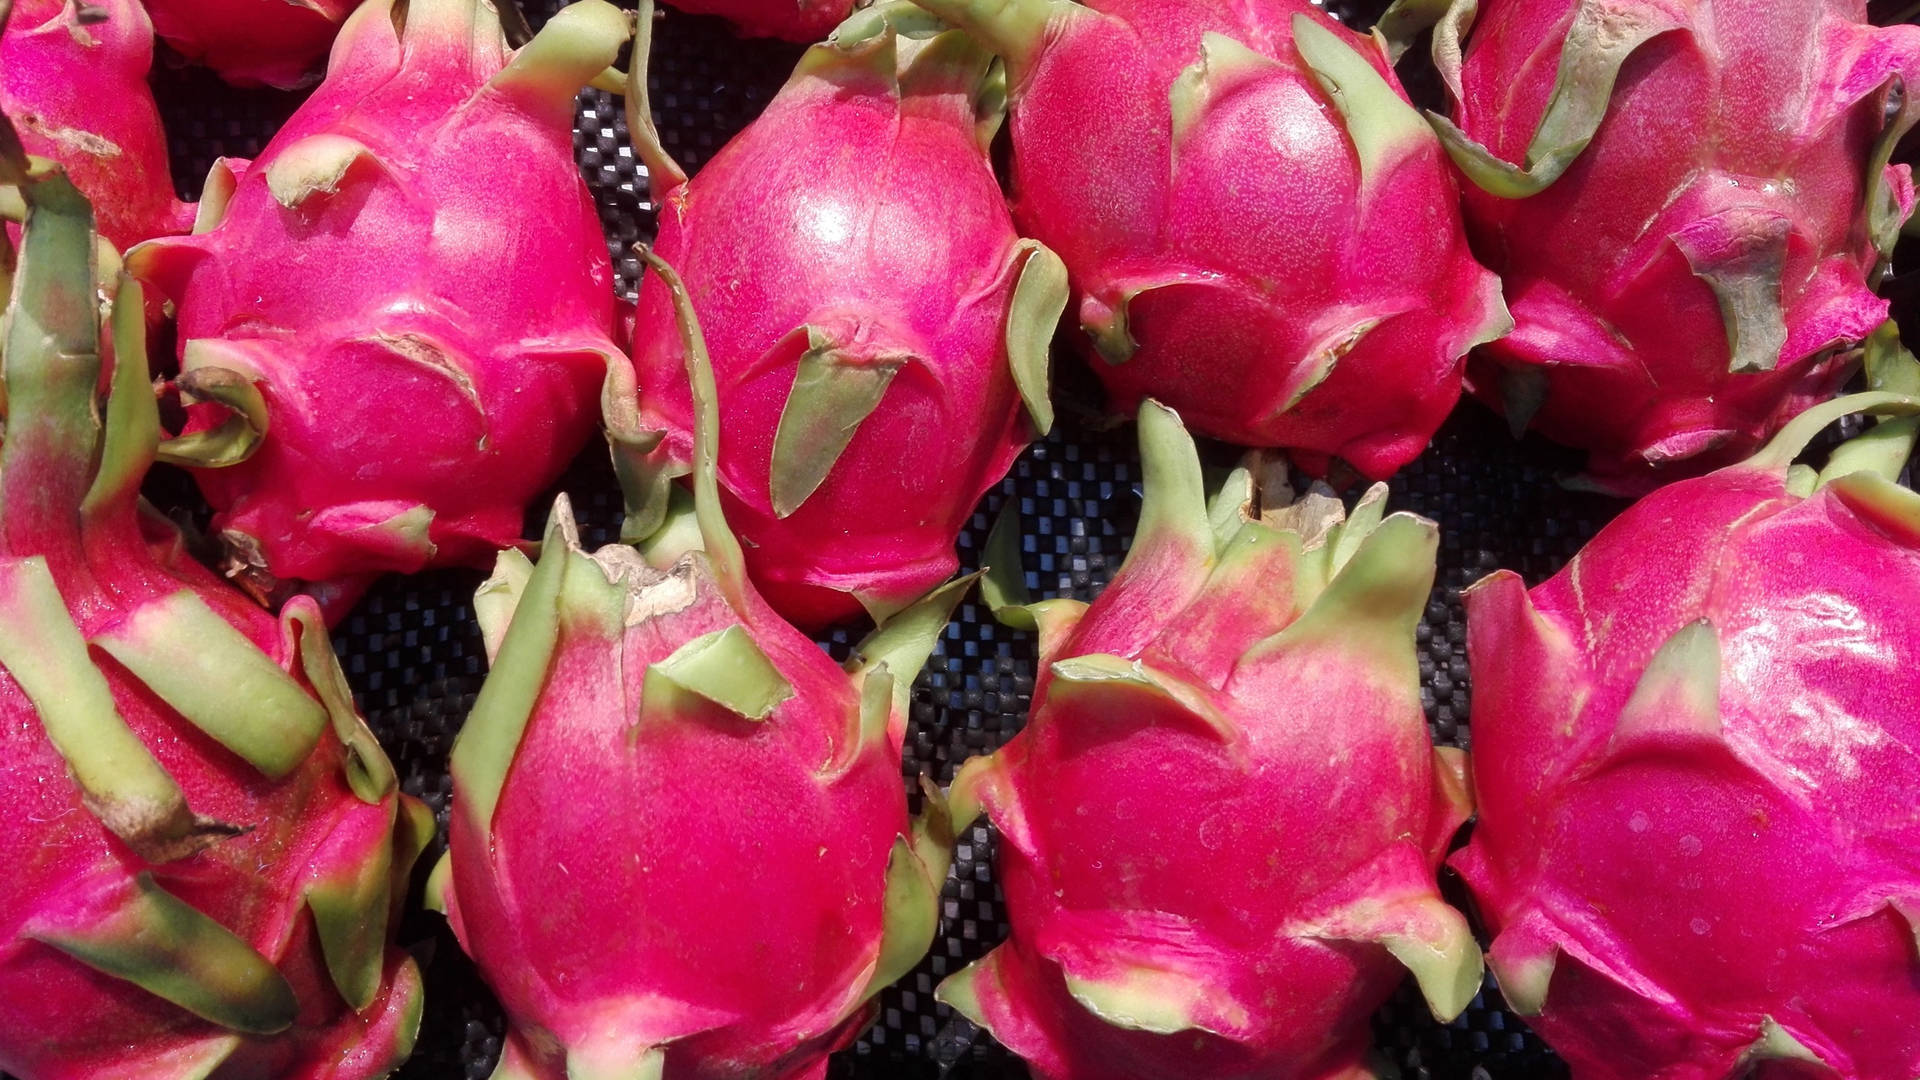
(1260, 230)
(1219, 828)
(872, 352)
(1688, 280)
(413, 276)
(1695, 758)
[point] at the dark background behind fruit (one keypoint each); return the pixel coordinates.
(412, 649)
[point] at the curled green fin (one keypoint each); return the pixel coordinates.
(137, 931)
(1383, 126)
(369, 772)
(494, 602)
(1113, 687)
(123, 784)
(315, 167)
(1159, 1001)
(239, 435)
(1015, 29)
(221, 682)
(646, 477)
(725, 668)
(1604, 33)
(910, 915)
(572, 49)
(215, 195)
(1776, 1043)
(486, 746)
(1173, 506)
(1039, 299)
(1677, 699)
(1740, 254)
(834, 391)
(349, 896)
(132, 427)
(903, 643)
(1424, 933)
(1884, 448)
(1405, 20)
(1793, 438)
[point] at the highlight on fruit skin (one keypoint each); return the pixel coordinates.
(278, 43)
(679, 842)
(1220, 827)
(412, 280)
(74, 78)
(1696, 756)
(207, 848)
(1260, 231)
(1690, 202)
(880, 332)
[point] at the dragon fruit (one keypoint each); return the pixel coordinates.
(805, 21)
(1220, 828)
(416, 243)
(872, 357)
(1705, 203)
(253, 42)
(206, 846)
(1262, 232)
(657, 761)
(1695, 758)
(73, 76)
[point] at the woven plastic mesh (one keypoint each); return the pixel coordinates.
(412, 649)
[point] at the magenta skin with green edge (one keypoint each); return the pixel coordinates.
(78, 95)
(412, 272)
(275, 43)
(1742, 130)
(1334, 329)
(82, 557)
(679, 848)
(1220, 827)
(817, 215)
(1696, 754)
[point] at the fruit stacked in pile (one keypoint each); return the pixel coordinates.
(678, 845)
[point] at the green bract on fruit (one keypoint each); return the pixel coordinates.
(1219, 829)
(205, 845)
(680, 845)
(1697, 752)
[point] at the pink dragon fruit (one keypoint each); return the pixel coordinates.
(872, 356)
(803, 21)
(1705, 203)
(206, 846)
(414, 277)
(1695, 755)
(1261, 231)
(656, 762)
(253, 42)
(74, 78)
(1220, 828)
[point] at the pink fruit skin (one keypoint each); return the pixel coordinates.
(818, 214)
(602, 886)
(275, 43)
(1687, 885)
(78, 95)
(61, 1019)
(1251, 232)
(1132, 839)
(803, 21)
(430, 337)
(1755, 108)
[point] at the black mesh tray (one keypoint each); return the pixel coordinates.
(412, 648)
